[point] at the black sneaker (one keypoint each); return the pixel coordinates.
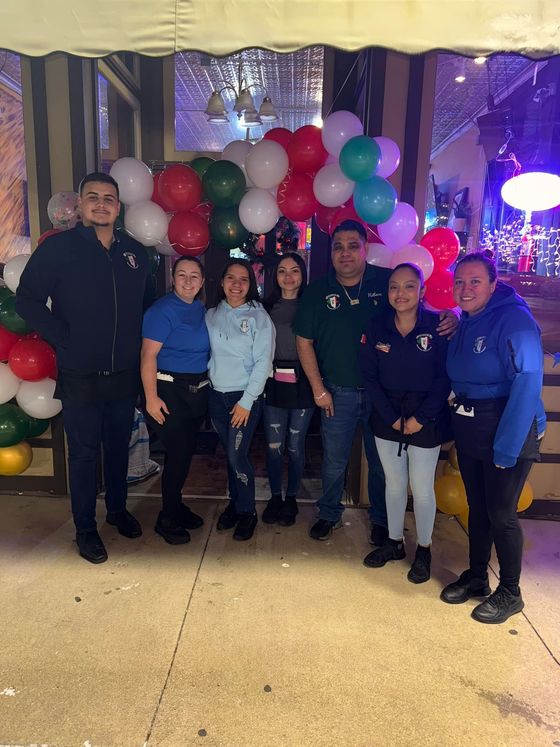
(420, 569)
(323, 529)
(172, 531)
(272, 510)
(228, 518)
(188, 519)
(288, 512)
(245, 527)
(391, 550)
(379, 535)
(499, 606)
(464, 588)
(126, 524)
(91, 547)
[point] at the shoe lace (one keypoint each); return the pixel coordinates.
(500, 597)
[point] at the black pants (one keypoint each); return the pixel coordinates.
(178, 435)
(493, 495)
(88, 426)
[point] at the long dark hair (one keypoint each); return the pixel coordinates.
(252, 293)
(200, 296)
(276, 292)
(484, 259)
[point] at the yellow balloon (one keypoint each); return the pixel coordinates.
(452, 456)
(451, 497)
(464, 518)
(526, 497)
(449, 469)
(15, 459)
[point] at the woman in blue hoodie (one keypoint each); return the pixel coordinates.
(495, 364)
(242, 345)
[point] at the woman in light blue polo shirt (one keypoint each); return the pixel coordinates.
(174, 368)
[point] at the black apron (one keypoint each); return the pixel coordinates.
(289, 396)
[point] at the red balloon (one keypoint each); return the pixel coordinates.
(279, 135)
(306, 150)
(443, 244)
(189, 234)
(295, 197)
(345, 212)
(204, 210)
(7, 341)
(32, 360)
(179, 188)
(155, 194)
(439, 289)
(50, 232)
(323, 217)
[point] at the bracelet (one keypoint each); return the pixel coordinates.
(323, 394)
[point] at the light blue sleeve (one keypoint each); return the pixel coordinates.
(264, 341)
(521, 351)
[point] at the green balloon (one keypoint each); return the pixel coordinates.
(375, 200)
(10, 319)
(13, 427)
(153, 258)
(201, 164)
(36, 427)
(5, 293)
(226, 230)
(359, 158)
(223, 184)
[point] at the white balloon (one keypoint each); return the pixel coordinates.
(380, 255)
(36, 399)
(401, 227)
(236, 152)
(390, 156)
(164, 247)
(9, 383)
(417, 255)
(135, 180)
(258, 210)
(13, 269)
(146, 222)
(337, 130)
(267, 164)
(331, 187)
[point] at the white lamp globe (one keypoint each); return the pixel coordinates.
(532, 192)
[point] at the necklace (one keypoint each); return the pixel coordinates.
(353, 301)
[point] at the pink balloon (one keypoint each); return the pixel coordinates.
(401, 227)
(390, 156)
(379, 254)
(417, 255)
(338, 128)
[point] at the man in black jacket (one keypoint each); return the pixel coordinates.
(99, 284)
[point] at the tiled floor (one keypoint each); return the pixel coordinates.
(280, 641)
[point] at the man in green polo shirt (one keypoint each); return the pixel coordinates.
(331, 317)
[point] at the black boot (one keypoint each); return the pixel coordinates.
(464, 588)
(379, 535)
(499, 606)
(288, 512)
(420, 570)
(272, 510)
(91, 547)
(126, 524)
(245, 526)
(391, 550)
(171, 530)
(188, 519)
(228, 518)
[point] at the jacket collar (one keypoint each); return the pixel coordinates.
(88, 233)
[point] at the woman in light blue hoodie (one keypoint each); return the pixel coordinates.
(242, 341)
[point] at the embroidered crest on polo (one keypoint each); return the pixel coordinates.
(384, 347)
(131, 260)
(244, 325)
(424, 342)
(333, 301)
(479, 345)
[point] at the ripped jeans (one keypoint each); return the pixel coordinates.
(285, 428)
(236, 443)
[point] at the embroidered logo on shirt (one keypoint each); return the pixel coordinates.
(131, 260)
(479, 345)
(333, 301)
(424, 342)
(383, 346)
(244, 326)
(374, 295)
(363, 339)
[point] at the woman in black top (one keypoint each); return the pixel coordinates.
(402, 359)
(289, 401)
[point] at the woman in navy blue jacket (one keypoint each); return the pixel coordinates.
(402, 359)
(495, 365)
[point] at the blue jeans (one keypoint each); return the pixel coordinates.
(236, 443)
(88, 426)
(418, 465)
(280, 422)
(337, 432)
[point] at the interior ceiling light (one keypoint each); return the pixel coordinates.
(460, 76)
(244, 104)
(479, 60)
(532, 192)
